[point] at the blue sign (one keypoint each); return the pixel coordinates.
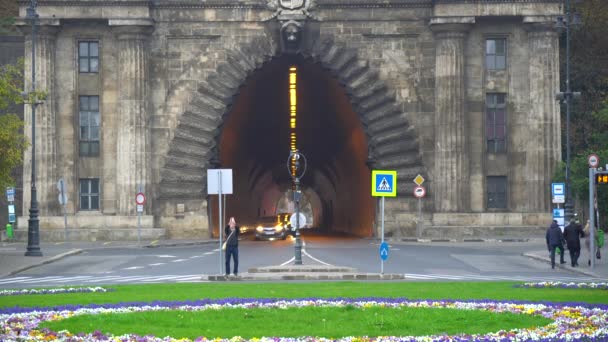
(384, 183)
(10, 194)
(11, 218)
(558, 189)
(384, 251)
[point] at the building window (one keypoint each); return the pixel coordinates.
(89, 126)
(496, 54)
(88, 56)
(497, 192)
(89, 194)
(496, 123)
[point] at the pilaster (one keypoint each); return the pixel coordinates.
(544, 147)
(133, 146)
(451, 171)
(46, 119)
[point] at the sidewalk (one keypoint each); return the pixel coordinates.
(601, 265)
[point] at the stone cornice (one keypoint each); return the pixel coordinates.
(330, 4)
(78, 3)
(451, 2)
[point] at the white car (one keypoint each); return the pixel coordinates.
(270, 228)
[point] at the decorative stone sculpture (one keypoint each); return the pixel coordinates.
(292, 14)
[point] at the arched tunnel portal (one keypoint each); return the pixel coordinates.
(255, 144)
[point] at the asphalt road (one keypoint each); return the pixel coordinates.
(418, 261)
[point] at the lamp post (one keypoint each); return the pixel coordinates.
(295, 160)
(33, 227)
(567, 97)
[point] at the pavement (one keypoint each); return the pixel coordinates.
(13, 260)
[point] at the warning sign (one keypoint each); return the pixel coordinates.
(384, 183)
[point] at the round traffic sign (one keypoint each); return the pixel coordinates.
(140, 198)
(419, 191)
(301, 220)
(594, 161)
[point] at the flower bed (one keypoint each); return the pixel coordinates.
(572, 322)
(53, 291)
(561, 285)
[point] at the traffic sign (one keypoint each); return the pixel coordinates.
(10, 194)
(594, 160)
(384, 183)
(302, 220)
(558, 192)
(383, 251)
(419, 180)
(140, 198)
(419, 191)
(140, 208)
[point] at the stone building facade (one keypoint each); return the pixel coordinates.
(148, 95)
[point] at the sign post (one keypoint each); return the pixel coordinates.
(593, 161)
(219, 182)
(10, 197)
(140, 200)
(63, 199)
(419, 192)
(384, 183)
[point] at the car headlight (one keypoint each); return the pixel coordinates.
(278, 228)
(259, 229)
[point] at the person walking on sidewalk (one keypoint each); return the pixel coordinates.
(587, 232)
(232, 246)
(572, 233)
(554, 240)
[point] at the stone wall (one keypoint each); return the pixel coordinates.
(414, 71)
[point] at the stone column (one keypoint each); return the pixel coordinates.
(46, 129)
(451, 171)
(133, 145)
(544, 147)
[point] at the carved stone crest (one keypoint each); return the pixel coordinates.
(292, 14)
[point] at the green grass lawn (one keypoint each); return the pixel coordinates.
(309, 321)
(294, 322)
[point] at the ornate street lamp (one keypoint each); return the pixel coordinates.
(567, 96)
(33, 227)
(296, 165)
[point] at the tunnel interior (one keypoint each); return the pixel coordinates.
(255, 144)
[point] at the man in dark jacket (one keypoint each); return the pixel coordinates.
(554, 240)
(572, 233)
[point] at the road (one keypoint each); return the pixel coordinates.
(418, 261)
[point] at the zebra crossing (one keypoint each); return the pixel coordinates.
(91, 280)
(97, 280)
(476, 277)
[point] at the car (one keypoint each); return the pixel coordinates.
(270, 228)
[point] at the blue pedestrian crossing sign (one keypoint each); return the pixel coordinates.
(384, 251)
(384, 183)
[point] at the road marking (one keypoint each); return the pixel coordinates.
(7, 281)
(288, 261)
(166, 256)
(178, 260)
(133, 268)
(315, 259)
(207, 253)
(196, 256)
(157, 264)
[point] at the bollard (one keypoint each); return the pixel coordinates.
(9, 231)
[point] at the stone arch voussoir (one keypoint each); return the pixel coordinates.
(392, 141)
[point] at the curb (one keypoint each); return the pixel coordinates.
(547, 260)
(175, 244)
(43, 262)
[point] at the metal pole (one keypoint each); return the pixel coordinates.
(591, 217)
(382, 232)
(220, 219)
(298, 246)
(139, 189)
(419, 224)
(33, 228)
(568, 206)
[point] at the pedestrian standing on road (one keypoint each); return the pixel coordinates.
(554, 240)
(232, 246)
(572, 234)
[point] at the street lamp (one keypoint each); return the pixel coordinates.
(294, 162)
(567, 97)
(33, 227)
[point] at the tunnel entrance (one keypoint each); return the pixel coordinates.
(255, 144)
